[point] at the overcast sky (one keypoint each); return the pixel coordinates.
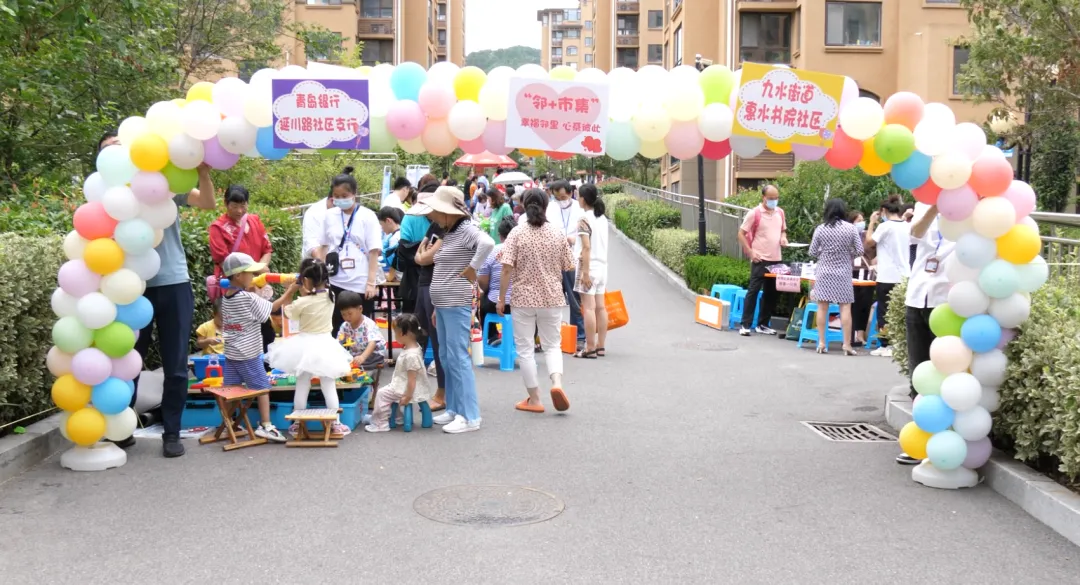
(497, 24)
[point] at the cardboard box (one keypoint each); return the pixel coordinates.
(712, 312)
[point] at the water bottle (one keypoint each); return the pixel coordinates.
(477, 349)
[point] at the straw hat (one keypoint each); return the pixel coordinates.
(448, 200)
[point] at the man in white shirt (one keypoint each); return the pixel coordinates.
(927, 288)
(398, 194)
(565, 213)
(313, 225)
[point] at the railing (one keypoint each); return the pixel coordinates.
(556, 60)
(556, 42)
(628, 7)
(375, 26)
(623, 40)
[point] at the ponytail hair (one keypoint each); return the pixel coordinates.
(316, 271)
(535, 202)
(591, 195)
(345, 178)
(894, 204)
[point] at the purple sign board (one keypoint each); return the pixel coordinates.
(321, 114)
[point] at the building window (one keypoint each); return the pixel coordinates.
(324, 2)
(544, 20)
(377, 9)
(377, 51)
(627, 58)
(557, 35)
(442, 38)
(627, 26)
(677, 57)
(588, 25)
(556, 53)
(959, 59)
(676, 186)
(571, 15)
(853, 24)
(571, 51)
(666, 60)
(656, 53)
(573, 34)
(588, 41)
(656, 19)
(765, 37)
(588, 58)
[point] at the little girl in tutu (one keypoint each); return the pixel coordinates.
(313, 353)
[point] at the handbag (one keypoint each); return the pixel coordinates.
(333, 259)
(616, 309)
(794, 327)
(213, 284)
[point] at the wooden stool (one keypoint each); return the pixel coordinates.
(234, 399)
(307, 438)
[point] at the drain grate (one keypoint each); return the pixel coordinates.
(488, 505)
(850, 432)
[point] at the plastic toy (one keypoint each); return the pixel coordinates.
(275, 278)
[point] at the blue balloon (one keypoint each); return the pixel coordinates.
(932, 415)
(913, 172)
(136, 315)
(111, 396)
(981, 333)
(264, 143)
(406, 81)
(946, 450)
(999, 279)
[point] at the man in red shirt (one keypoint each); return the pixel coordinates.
(762, 234)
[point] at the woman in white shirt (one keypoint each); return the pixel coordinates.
(591, 250)
(350, 245)
(890, 235)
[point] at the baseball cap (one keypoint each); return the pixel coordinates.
(238, 262)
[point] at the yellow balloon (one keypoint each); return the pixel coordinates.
(563, 73)
(871, 163)
(364, 71)
(180, 102)
(1020, 245)
(86, 426)
(531, 153)
(150, 152)
(653, 149)
(103, 256)
(70, 394)
(204, 90)
(468, 82)
(778, 147)
(913, 440)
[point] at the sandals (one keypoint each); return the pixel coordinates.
(587, 355)
(559, 399)
(600, 352)
(525, 406)
(823, 349)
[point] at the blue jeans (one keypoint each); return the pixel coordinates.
(454, 325)
(174, 307)
(576, 319)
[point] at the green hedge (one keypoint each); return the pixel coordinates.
(896, 318)
(643, 217)
(297, 179)
(672, 246)
(702, 272)
(617, 201)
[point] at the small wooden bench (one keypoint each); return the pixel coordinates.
(234, 402)
(307, 438)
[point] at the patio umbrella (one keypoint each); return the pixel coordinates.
(512, 178)
(486, 159)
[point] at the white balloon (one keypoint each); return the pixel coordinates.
(200, 120)
(381, 98)
(528, 71)
(229, 94)
(973, 424)
(58, 362)
(715, 122)
(291, 72)
(950, 170)
(746, 146)
(146, 265)
(94, 187)
(163, 119)
(258, 110)
(967, 299)
(989, 368)
(953, 230)
(684, 99)
(956, 272)
(1031, 223)
(444, 72)
(993, 217)
(862, 118)
(939, 114)
(123, 286)
(159, 234)
(261, 84)
(961, 391)
(120, 203)
(466, 120)
(131, 128)
(587, 75)
(931, 138)
(63, 304)
(95, 311)
(502, 75)
(975, 251)
(116, 159)
(120, 426)
(967, 139)
(185, 152)
(236, 135)
(624, 96)
(1011, 311)
(74, 245)
(991, 399)
(159, 216)
(1031, 275)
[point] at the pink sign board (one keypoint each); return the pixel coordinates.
(557, 116)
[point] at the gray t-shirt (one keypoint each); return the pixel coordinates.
(174, 269)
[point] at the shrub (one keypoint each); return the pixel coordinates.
(621, 219)
(610, 187)
(896, 320)
(672, 246)
(617, 201)
(702, 272)
(296, 179)
(643, 217)
(28, 266)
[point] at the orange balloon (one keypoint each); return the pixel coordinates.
(991, 175)
(531, 153)
(870, 162)
(778, 147)
(904, 108)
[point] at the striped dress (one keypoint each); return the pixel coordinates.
(463, 245)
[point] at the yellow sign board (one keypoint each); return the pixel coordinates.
(788, 105)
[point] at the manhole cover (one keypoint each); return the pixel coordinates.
(846, 432)
(703, 346)
(488, 505)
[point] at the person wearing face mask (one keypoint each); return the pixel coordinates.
(762, 235)
(350, 244)
(889, 234)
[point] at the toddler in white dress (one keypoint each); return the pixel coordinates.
(410, 382)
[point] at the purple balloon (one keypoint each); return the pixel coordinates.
(807, 152)
(77, 280)
(978, 453)
(91, 366)
(957, 204)
(127, 367)
(151, 188)
(216, 156)
(1007, 335)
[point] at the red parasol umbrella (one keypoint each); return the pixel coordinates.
(486, 159)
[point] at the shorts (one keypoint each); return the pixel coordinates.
(599, 282)
(251, 373)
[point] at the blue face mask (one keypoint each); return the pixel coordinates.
(346, 203)
(861, 225)
(772, 203)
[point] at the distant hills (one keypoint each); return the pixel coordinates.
(513, 57)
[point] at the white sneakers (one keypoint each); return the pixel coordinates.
(270, 433)
(760, 330)
(882, 352)
(445, 418)
(460, 425)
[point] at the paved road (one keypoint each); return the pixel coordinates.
(675, 465)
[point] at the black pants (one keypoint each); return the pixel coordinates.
(860, 309)
(425, 311)
(487, 307)
(883, 289)
(174, 308)
(368, 308)
(758, 282)
(919, 338)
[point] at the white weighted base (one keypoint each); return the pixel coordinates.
(98, 457)
(953, 479)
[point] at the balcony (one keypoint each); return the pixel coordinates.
(766, 55)
(767, 164)
(766, 5)
(441, 22)
(375, 27)
(567, 24)
(556, 42)
(628, 63)
(628, 7)
(627, 40)
(441, 50)
(556, 60)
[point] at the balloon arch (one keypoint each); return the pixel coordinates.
(652, 112)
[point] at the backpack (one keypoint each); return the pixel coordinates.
(757, 222)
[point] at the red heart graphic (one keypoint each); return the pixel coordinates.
(532, 98)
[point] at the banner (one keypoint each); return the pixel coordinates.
(557, 116)
(321, 114)
(788, 105)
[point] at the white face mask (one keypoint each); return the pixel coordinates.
(861, 225)
(346, 203)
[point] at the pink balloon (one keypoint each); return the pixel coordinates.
(978, 453)
(684, 141)
(991, 174)
(807, 152)
(405, 120)
(436, 100)
(1007, 335)
(850, 92)
(91, 366)
(216, 156)
(93, 222)
(495, 138)
(472, 146)
(438, 140)
(77, 280)
(957, 204)
(151, 188)
(1022, 196)
(127, 367)
(968, 139)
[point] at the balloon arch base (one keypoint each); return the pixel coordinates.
(951, 479)
(97, 457)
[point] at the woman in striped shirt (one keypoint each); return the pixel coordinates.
(462, 252)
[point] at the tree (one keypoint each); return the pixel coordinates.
(513, 57)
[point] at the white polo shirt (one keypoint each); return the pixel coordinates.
(364, 235)
(926, 290)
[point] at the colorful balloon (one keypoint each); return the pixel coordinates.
(904, 108)
(946, 450)
(85, 426)
(894, 143)
(467, 83)
(913, 440)
(1020, 245)
(845, 153)
(1022, 197)
(870, 162)
(957, 204)
(405, 120)
(913, 172)
(150, 152)
(69, 393)
(991, 175)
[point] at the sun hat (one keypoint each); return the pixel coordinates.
(238, 262)
(448, 200)
(420, 207)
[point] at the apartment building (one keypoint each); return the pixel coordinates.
(604, 34)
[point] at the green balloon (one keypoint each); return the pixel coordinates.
(927, 379)
(717, 81)
(180, 180)
(894, 143)
(622, 141)
(70, 335)
(944, 322)
(115, 339)
(381, 138)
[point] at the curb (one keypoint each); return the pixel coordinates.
(668, 275)
(19, 453)
(1043, 498)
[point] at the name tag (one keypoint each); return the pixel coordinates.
(348, 264)
(932, 265)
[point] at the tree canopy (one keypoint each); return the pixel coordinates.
(511, 57)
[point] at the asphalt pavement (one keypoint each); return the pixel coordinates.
(681, 460)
